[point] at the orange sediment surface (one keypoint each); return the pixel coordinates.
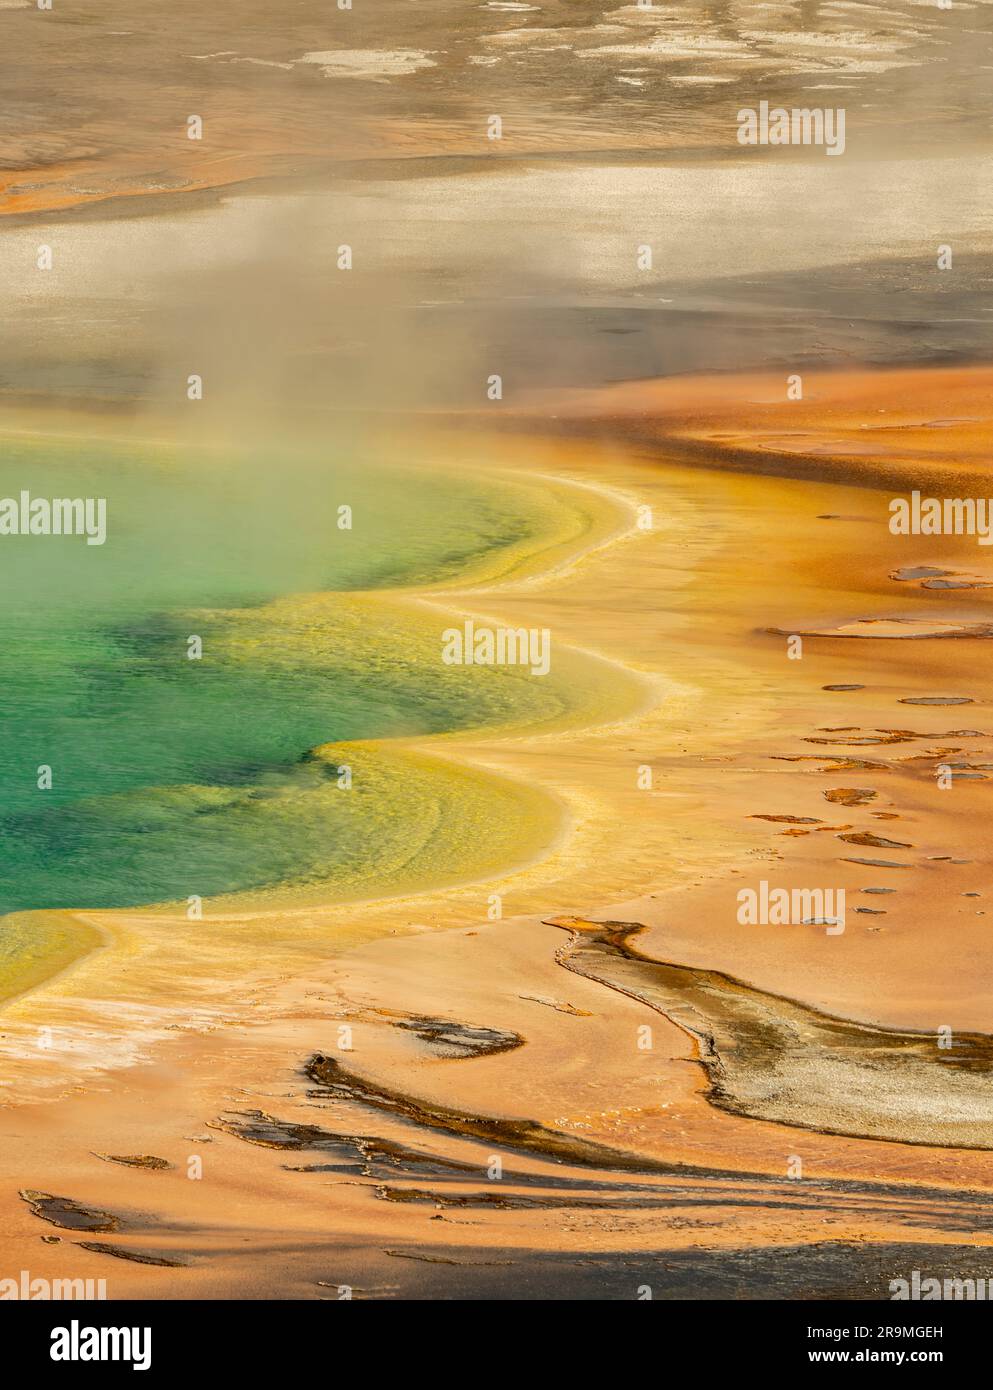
(58, 187)
(899, 421)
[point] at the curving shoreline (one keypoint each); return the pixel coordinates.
(450, 772)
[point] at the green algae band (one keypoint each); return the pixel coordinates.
(272, 759)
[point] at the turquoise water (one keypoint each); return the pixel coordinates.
(173, 776)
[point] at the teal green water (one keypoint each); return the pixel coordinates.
(173, 776)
